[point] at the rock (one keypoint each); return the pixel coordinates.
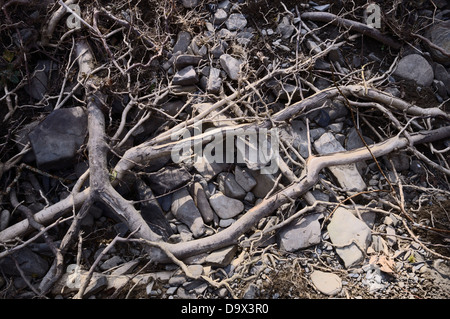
(184, 209)
(285, 28)
(221, 257)
(151, 211)
(236, 21)
(5, 216)
(189, 4)
(224, 223)
(126, 268)
(327, 283)
(111, 262)
(244, 178)
(225, 207)
(345, 229)
(202, 203)
(97, 283)
(39, 80)
(441, 74)
(400, 160)
(186, 76)
(347, 175)
(56, 140)
(296, 135)
(183, 41)
(230, 65)
(353, 140)
(167, 179)
(184, 60)
(439, 34)
(229, 186)
(220, 16)
(214, 83)
(30, 263)
(251, 292)
(208, 169)
(264, 183)
(303, 233)
(415, 67)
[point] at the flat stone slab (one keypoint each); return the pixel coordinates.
(303, 233)
(350, 235)
(224, 206)
(347, 175)
(415, 67)
(327, 283)
(56, 140)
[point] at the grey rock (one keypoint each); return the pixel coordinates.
(229, 186)
(327, 283)
(249, 198)
(224, 223)
(303, 233)
(126, 268)
(230, 65)
(285, 28)
(441, 74)
(439, 34)
(111, 262)
(264, 183)
(221, 257)
(183, 41)
(347, 175)
(184, 60)
(400, 160)
(415, 67)
(354, 141)
(244, 178)
(345, 229)
(202, 203)
(189, 4)
(251, 292)
(186, 76)
(30, 263)
(184, 232)
(296, 135)
(219, 49)
(236, 21)
(220, 16)
(39, 80)
(97, 283)
(184, 209)
(214, 83)
(151, 211)
(225, 207)
(5, 216)
(56, 140)
(167, 179)
(209, 169)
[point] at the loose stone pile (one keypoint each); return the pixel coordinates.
(356, 251)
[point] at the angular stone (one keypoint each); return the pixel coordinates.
(439, 34)
(230, 65)
(347, 175)
(214, 83)
(56, 140)
(167, 179)
(183, 41)
(244, 178)
(184, 60)
(221, 257)
(220, 16)
(236, 21)
(202, 202)
(189, 4)
(29, 262)
(327, 283)
(151, 211)
(344, 230)
(39, 80)
(229, 186)
(264, 183)
(225, 207)
(184, 209)
(415, 67)
(303, 233)
(186, 76)
(285, 28)
(208, 169)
